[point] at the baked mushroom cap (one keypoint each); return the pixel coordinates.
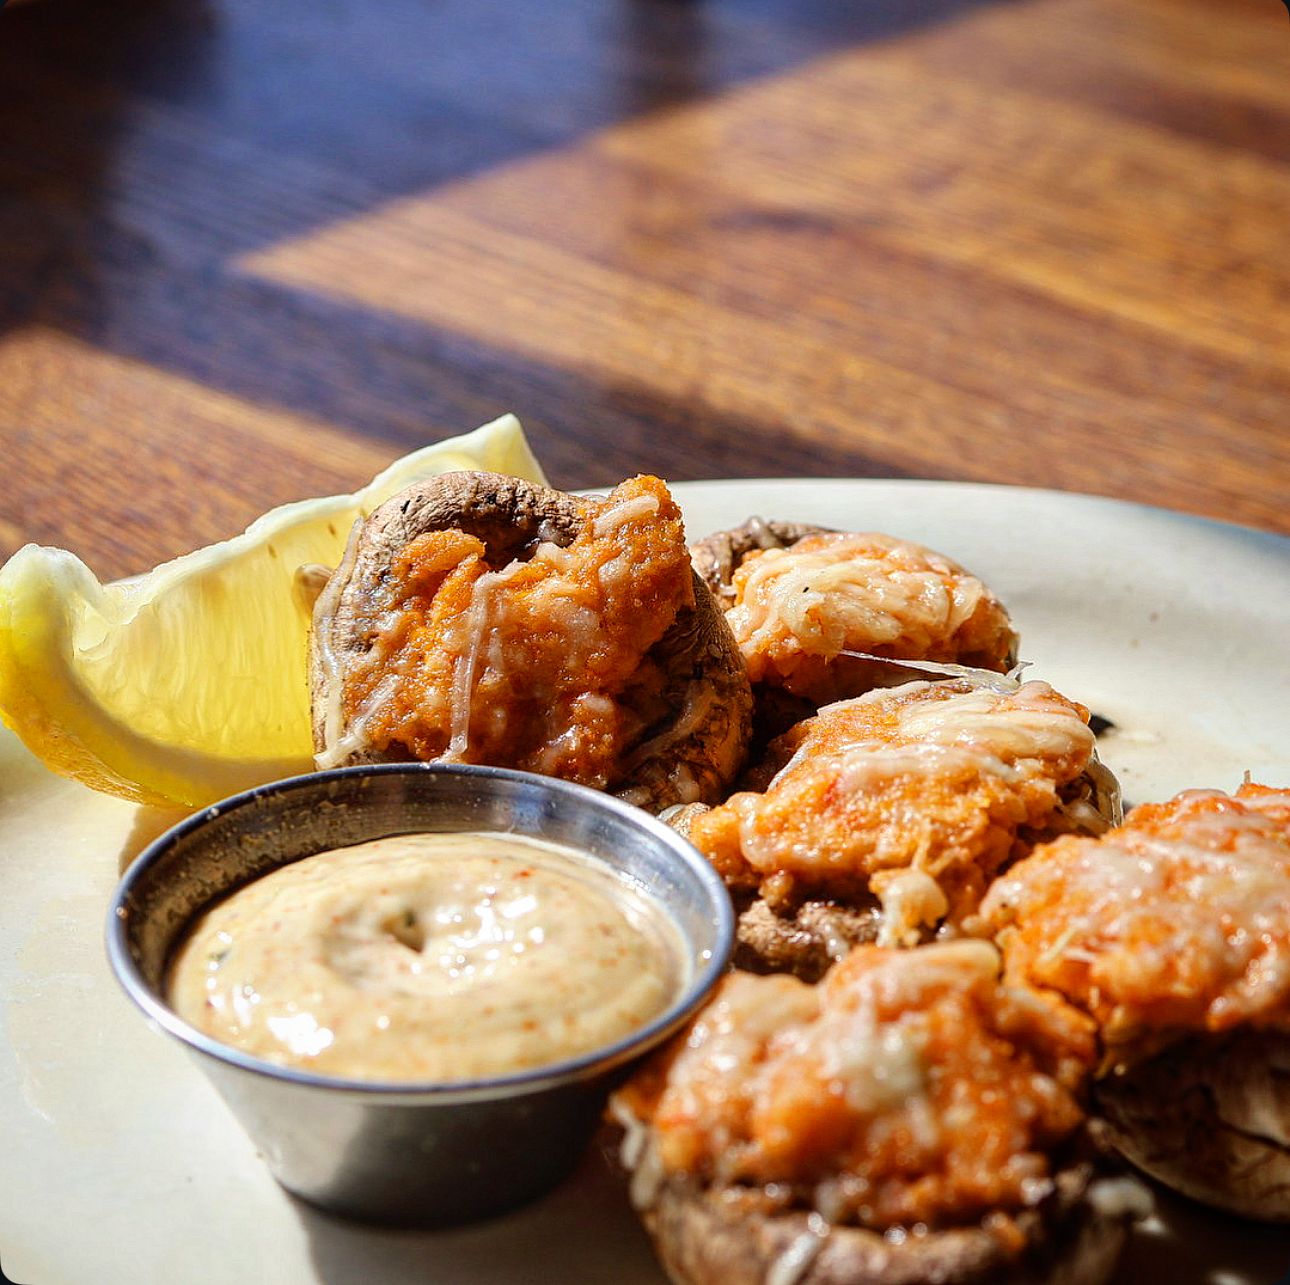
(1075, 1237)
(718, 556)
(908, 1120)
(804, 939)
(807, 937)
(1172, 932)
(1210, 1117)
(690, 689)
(872, 822)
(821, 615)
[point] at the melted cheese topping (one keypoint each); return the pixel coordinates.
(938, 777)
(912, 901)
(799, 611)
(432, 957)
(535, 665)
(1177, 921)
(907, 1087)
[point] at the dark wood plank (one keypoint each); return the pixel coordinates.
(1023, 295)
(1036, 241)
(391, 101)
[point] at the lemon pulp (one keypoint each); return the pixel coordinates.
(190, 682)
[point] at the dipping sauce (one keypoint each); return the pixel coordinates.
(439, 957)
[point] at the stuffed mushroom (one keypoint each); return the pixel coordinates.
(886, 816)
(907, 1120)
(818, 613)
(1173, 933)
(477, 618)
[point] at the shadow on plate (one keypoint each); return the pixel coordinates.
(149, 823)
(583, 1233)
(1188, 1244)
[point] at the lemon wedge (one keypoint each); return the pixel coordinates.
(190, 683)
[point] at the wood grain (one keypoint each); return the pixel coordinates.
(117, 459)
(253, 252)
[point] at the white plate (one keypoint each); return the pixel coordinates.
(121, 1164)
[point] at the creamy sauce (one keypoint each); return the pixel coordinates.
(436, 957)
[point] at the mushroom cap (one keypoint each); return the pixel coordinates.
(781, 699)
(1210, 1117)
(717, 556)
(712, 1237)
(745, 1175)
(806, 934)
(694, 755)
(806, 940)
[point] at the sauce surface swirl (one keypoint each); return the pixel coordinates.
(432, 957)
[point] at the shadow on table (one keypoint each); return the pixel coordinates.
(65, 73)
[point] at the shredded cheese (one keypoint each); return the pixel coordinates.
(860, 1098)
(911, 901)
(798, 610)
(640, 506)
(793, 1264)
(465, 663)
(1177, 920)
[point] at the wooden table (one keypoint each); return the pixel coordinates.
(251, 252)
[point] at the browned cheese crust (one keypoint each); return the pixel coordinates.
(696, 752)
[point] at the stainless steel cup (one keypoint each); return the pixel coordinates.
(410, 1153)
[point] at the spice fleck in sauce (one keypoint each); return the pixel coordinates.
(435, 957)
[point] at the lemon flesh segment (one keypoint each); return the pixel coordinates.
(190, 683)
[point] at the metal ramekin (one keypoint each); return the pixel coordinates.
(409, 1153)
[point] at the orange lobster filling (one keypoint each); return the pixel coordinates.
(533, 665)
(1177, 921)
(937, 777)
(908, 1087)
